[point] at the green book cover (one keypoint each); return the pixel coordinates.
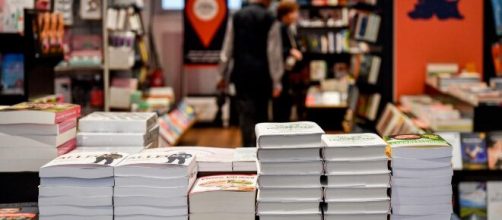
(416, 140)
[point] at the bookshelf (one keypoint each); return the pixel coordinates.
(342, 19)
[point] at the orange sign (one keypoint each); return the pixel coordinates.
(206, 17)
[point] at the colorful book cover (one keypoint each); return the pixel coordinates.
(474, 153)
(12, 81)
(238, 183)
(472, 197)
(494, 142)
(497, 15)
(416, 140)
(46, 107)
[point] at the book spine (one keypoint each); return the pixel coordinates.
(67, 125)
(67, 147)
(67, 114)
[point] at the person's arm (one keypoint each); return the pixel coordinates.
(275, 58)
(226, 54)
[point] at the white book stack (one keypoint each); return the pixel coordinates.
(290, 167)
(124, 131)
(78, 186)
(358, 177)
(154, 185)
(421, 177)
(32, 134)
(223, 197)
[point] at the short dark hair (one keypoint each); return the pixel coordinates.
(286, 7)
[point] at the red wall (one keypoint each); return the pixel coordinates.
(418, 42)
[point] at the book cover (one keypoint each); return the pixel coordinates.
(348, 140)
(12, 81)
(39, 113)
(494, 189)
(239, 183)
(416, 140)
(13, 15)
(474, 153)
(472, 202)
(288, 128)
(494, 142)
(88, 158)
(153, 156)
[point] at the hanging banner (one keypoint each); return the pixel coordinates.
(205, 25)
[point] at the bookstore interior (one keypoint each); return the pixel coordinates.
(251, 109)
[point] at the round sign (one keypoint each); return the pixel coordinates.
(205, 10)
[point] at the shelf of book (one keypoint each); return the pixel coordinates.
(486, 116)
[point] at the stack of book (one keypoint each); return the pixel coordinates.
(78, 186)
(125, 131)
(289, 171)
(32, 134)
(154, 185)
(235, 196)
(421, 177)
(358, 177)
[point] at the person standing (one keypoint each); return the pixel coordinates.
(252, 60)
(287, 14)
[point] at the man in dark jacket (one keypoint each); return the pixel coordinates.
(252, 60)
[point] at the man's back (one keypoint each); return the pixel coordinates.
(251, 27)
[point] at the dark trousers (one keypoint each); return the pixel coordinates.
(282, 107)
(252, 109)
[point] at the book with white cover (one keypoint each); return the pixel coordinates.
(444, 209)
(149, 201)
(74, 217)
(123, 149)
(75, 210)
(358, 206)
(357, 216)
(88, 165)
(290, 194)
(77, 182)
(430, 181)
(373, 179)
(296, 208)
(209, 159)
(290, 181)
(288, 168)
(402, 193)
(133, 181)
(422, 173)
(222, 216)
(150, 210)
(417, 200)
(70, 191)
(353, 146)
(245, 159)
(118, 122)
(410, 163)
(355, 193)
(80, 201)
(7, 140)
(150, 191)
(38, 129)
(38, 113)
(289, 135)
(420, 217)
(287, 216)
(374, 165)
(234, 193)
(494, 196)
(118, 139)
(150, 217)
(161, 164)
(289, 154)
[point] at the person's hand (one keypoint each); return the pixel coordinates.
(296, 54)
(277, 91)
(222, 85)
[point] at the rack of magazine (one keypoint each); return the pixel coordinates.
(174, 124)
